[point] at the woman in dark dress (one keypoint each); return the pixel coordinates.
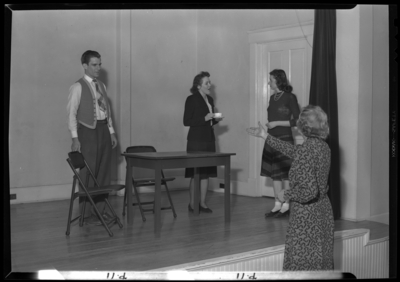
(310, 234)
(283, 112)
(199, 116)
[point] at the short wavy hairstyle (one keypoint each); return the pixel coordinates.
(85, 59)
(281, 80)
(313, 122)
(198, 79)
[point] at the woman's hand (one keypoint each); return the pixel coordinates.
(281, 196)
(271, 124)
(258, 131)
(209, 116)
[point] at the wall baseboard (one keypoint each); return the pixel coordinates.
(41, 193)
(237, 187)
(382, 218)
(63, 192)
(180, 183)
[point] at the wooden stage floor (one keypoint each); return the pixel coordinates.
(38, 239)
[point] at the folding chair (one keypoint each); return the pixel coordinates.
(137, 182)
(77, 161)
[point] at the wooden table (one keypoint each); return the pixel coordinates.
(182, 159)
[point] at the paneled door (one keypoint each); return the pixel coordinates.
(294, 57)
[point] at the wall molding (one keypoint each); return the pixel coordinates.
(36, 194)
(41, 193)
(382, 218)
(63, 191)
(281, 33)
(237, 187)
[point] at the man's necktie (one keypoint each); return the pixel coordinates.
(100, 100)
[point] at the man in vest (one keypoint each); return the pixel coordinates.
(90, 124)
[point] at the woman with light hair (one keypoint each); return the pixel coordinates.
(309, 237)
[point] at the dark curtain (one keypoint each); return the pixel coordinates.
(323, 92)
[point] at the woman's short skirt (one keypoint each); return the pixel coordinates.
(274, 164)
(205, 172)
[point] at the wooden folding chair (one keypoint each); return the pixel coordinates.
(136, 182)
(77, 161)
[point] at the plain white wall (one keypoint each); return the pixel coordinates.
(157, 73)
(163, 68)
(347, 72)
(363, 94)
(364, 164)
(45, 61)
(380, 114)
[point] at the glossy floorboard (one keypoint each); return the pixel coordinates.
(38, 239)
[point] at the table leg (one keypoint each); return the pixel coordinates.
(128, 187)
(227, 189)
(157, 201)
(196, 191)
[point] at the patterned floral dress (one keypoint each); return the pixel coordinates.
(309, 238)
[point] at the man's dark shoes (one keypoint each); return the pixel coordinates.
(206, 210)
(190, 208)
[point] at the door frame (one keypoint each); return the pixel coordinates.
(257, 39)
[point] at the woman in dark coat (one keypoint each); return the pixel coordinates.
(199, 116)
(309, 238)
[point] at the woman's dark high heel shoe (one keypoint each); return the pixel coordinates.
(271, 214)
(190, 208)
(206, 210)
(282, 214)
